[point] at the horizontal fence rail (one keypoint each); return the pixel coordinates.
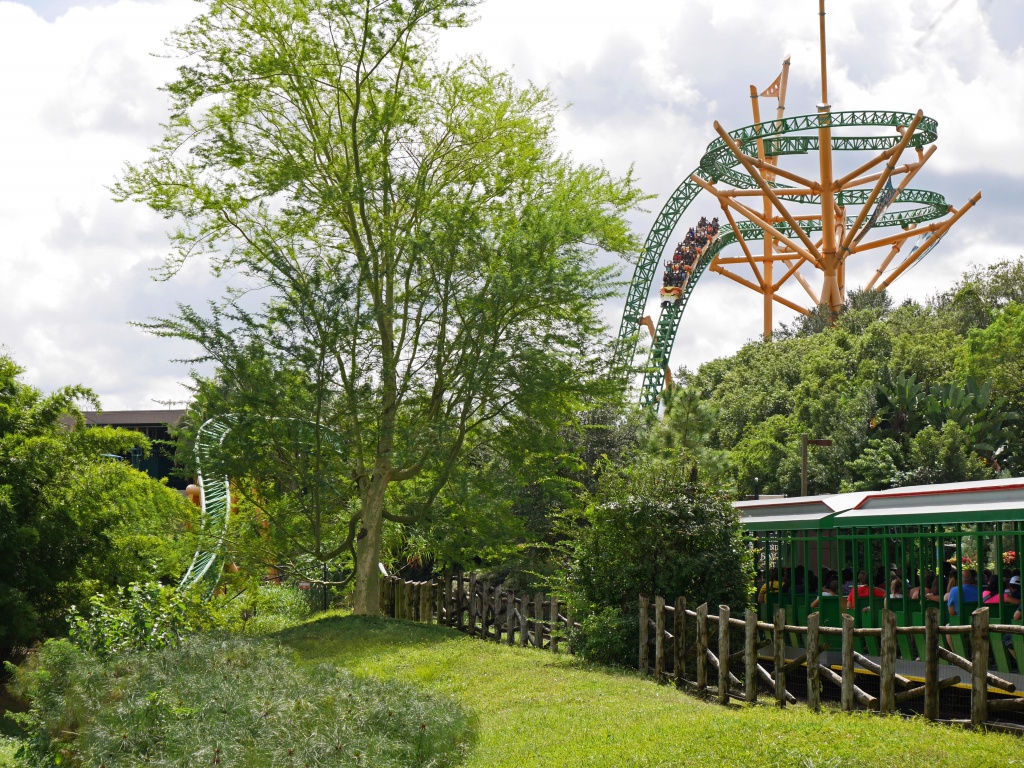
(672, 637)
(472, 605)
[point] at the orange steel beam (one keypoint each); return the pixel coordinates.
(768, 229)
(813, 186)
(756, 175)
(845, 180)
(787, 191)
(748, 284)
(948, 225)
(806, 286)
(898, 238)
(743, 244)
(889, 166)
(885, 263)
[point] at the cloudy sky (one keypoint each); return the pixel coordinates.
(645, 79)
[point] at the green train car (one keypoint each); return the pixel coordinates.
(954, 546)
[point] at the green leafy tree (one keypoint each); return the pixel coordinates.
(425, 252)
(72, 521)
(651, 530)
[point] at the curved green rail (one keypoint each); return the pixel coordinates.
(208, 561)
(719, 164)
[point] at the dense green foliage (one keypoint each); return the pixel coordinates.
(914, 394)
(73, 522)
(653, 531)
(232, 702)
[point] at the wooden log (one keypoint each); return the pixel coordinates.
(510, 617)
(570, 630)
(496, 613)
(448, 600)
(780, 656)
(871, 666)
(524, 621)
(979, 659)
(659, 638)
(1006, 705)
(679, 641)
(795, 663)
(847, 683)
(723, 655)
(931, 664)
(770, 681)
(644, 607)
(554, 624)
(856, 693)
(538, 620)
(731, 680)
(471, 605)
(410, 600)
(460, 591)
(922, 690)
(737, 656)
(813, 685)
(967, 666)
(702, 649)
(887, 670)
(750, 657)
(485, 609)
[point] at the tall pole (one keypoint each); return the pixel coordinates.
(803, 464)
(769, 243)
(830, 292)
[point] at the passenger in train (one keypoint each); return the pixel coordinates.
(966, 592)
(863, 590)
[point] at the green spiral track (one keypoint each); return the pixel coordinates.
(719, 164)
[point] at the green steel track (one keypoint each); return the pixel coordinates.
(208, 561)
(719, 164)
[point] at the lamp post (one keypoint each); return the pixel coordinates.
(805, 440)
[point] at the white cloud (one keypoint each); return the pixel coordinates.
(646, 79)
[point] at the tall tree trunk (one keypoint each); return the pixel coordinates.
(368, 547)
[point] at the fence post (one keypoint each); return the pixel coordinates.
(460, 589)
(779, 637)
(524, 618)
(448, 600)
(642, 663)
(887, 684)
(931, 664)
(485, 606)
(702, 649)
(400, 589)
(410, 600)
(750, 656)
(723, 654)
(471, 612)
(846, 698)
(510, 617)
(497, 613)
(813, 650)
(538, 619)
(979, 669)
(679, 641)
(554, 624)
(570, 629)
(659, 638)
(382, 587)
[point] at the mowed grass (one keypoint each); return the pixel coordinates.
(531, 708)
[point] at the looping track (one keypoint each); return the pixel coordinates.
(719, 164)
(208, 561)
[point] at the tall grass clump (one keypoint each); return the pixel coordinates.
(265, 608)
(233, 701)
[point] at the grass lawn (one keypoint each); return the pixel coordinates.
(530, 708)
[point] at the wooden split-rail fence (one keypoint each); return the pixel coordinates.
(672, 635)
(473, 605)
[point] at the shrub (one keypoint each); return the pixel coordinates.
(266, 608)
(653, 532)
(238, 702)
(137, 618)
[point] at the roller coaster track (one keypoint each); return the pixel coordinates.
(208, 561)
(719, 164)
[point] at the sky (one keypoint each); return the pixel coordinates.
(642, 82)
